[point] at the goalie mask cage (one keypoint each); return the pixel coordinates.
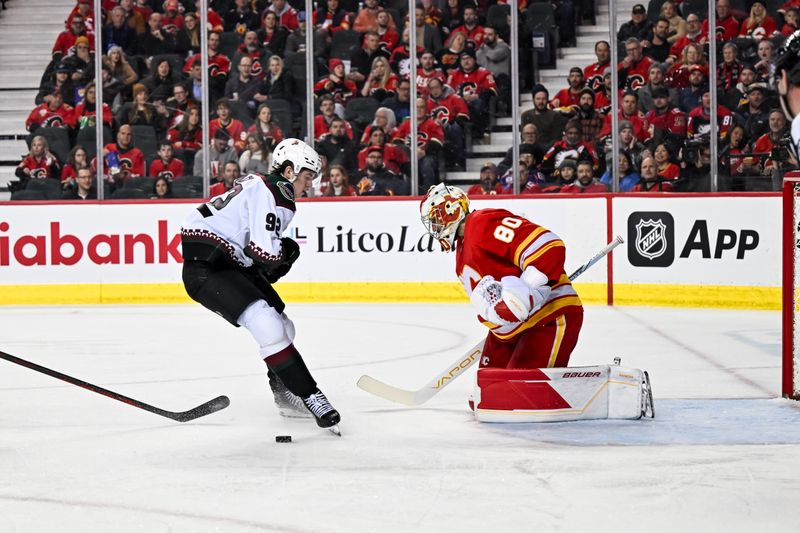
(791, 286)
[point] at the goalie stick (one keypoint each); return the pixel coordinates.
(457, 367)
(211, 406)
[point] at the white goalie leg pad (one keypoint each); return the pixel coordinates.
(268, 328)
(559, 394)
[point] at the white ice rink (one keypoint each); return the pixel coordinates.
(721, 455)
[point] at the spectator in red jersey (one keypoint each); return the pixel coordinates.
(327, 112)
(727, 25)
(266, 129)
(666, 123)
(377, 180)
(732, 166)
(241, 18)
(451, 112)
(381, 82)
(699, 123)
(694, 35)
(38, 164)
(187, 38)
(338, 183)
(52, 114)
(430, 139)
(336, 84)
(571, 146)
(476, 86)
(585, 182)
(123, 160)
(666, 168)
(256, 157)
(86, 112)
(593, 74)
(791, 21)
(173, 21)
(629, 110)
(228, 174)
(272, 35)
(488, 185)
(387, 32)
(236, 131)
(219, 66)
(632, 70)
(471, 29)
(167, 165)
(330, 18)
(286, 14)
(400, 58)
(650, 180)
(426, 71)
(393, 156)
(65, 42)
(567, 100)
(84, 186)
(84, 8)
(759, 25)
(77, 159)
(659, 45)
(367, 18)
(656, 80)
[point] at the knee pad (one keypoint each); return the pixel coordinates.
(267, 327)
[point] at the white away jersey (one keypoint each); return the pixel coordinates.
(246, 221)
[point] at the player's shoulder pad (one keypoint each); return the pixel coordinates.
(282, 190)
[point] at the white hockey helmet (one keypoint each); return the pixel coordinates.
(298, 153)
(442, 211)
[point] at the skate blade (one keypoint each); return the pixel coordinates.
(294, 414)
(335, 430)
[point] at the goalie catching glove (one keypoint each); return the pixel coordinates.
(512, 299)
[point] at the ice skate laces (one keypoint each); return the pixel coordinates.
(318, 404)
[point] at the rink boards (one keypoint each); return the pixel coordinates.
(681, 250)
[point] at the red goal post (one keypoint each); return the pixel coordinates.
(791, 286)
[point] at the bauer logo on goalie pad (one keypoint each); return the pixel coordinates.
(651, 239)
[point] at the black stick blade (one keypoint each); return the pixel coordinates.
(212, 406)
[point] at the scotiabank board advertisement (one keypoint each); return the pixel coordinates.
(350, 251)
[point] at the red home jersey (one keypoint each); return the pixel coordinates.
(322, 127)
(474, 82)
(40, 168)
(428, 131)
(43, 116)
(218, 65)
(447, 109)
(172, 170)
(236, 130)
(131, 160)
(673, 121)
(499, 243)
(637, 74)
(727, 29)
(424, 77)
(474, 36)
(593, 74)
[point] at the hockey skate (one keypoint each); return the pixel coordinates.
(289, 405)
(327, 417)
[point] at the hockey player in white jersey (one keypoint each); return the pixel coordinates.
(233, 253)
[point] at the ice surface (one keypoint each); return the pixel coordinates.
(722, 454)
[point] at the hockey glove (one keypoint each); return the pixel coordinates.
(487, 299)
(290, 251)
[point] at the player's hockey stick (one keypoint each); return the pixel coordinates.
(211, 406)
(457, 367)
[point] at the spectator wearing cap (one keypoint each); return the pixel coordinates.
(271, 38)
(666, 122)
(656, 80)
(529, 140)
(549, 123)
(53, 113)
(451, 112)
(426, 147)
(287, 15)
(728, 69)
(699, 123)
(628, 177)
(327, 113)
(567, 100)
(338, 147)
(476, 86)
(296, 41)
(61, 82)
(129, 159)
(738, 96)
(571, 146)
(488, 185)
(119, 68)
(495, 56)
(65, 42)
(219, 153)
(362, 60)
(628, 142)
(591, 120)
(691, 95)
(727, 25)
(81, 63)
(633, 69)
(759, 25)
(754, 115)
(585, 183)
(659, 45)
(639, 26)
(375, 179)
(241, 18)
(679, 73)
(594, 74)
(677, 26)
(118, 33)
(393, 156)
(172, 20)
(237, 133)
(336, 84)
(650, 181)
(694, 35)
(628, 110)
(564, 175)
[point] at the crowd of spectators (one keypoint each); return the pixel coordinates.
(152, 72)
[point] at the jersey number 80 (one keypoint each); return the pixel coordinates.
(505, 231)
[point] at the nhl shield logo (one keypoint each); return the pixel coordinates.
(651, 239)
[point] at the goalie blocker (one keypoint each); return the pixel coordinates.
(562, 394)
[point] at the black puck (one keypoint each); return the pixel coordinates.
(283, 438)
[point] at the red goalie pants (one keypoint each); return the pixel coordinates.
(542, 346)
